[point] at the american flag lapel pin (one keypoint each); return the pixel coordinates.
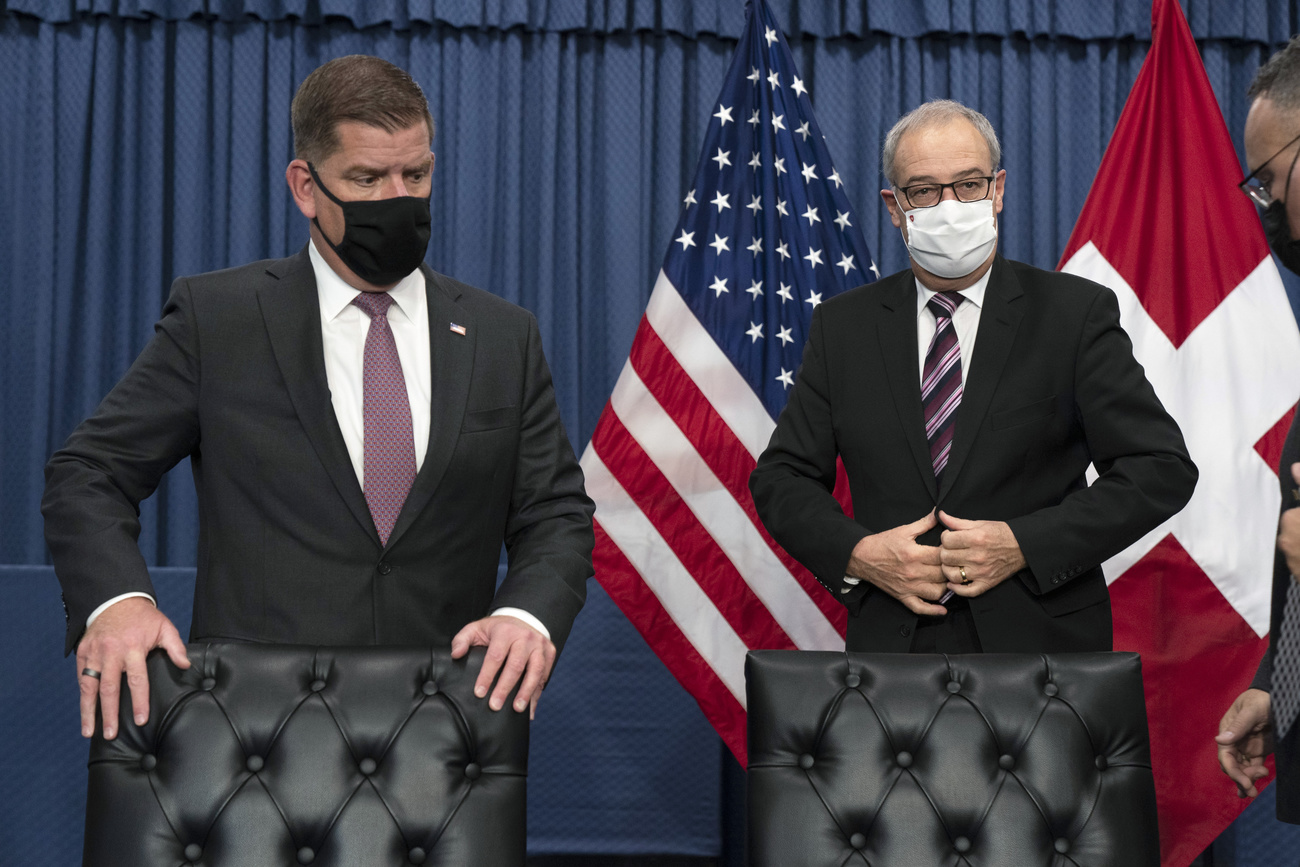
(459, 329)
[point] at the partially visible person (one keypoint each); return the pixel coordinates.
(1262, 720)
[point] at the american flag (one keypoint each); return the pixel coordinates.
(765, 235)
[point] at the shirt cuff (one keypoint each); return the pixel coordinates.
(852, 582)
(101, 609)
(523, 615)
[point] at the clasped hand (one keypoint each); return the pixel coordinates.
(972, 558)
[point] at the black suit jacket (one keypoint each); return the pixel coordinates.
(234, 378)
(1052, 387)
(1288, 750)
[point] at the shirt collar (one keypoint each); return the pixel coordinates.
(974, 294)
(335, 295)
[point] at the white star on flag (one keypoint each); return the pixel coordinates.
(678, 545)
(846, 262)
(690, 198)
(814, 257)
(842, 219)
(809, 172)
(1204, 305)
(724, 115)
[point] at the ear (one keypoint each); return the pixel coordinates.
(999, 183)
(895, 209)
(301, 187)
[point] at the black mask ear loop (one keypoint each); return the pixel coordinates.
(336, 200)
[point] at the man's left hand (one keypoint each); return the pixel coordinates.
(513, 648)
(977, 556)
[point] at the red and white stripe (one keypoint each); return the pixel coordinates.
(679, 545)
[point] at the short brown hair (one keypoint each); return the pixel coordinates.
(1279, 78)
(356, 88)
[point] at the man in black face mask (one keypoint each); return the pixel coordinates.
(365, 434)
(1264, 717)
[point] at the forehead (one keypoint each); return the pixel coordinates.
(372, 146)
(1268, 130)
(937, 150)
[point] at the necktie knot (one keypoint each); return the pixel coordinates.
(375, 304)
(942, 304)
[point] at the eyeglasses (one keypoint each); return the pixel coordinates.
(929, 195)
(1257, 191)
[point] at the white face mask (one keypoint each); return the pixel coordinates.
(953, 238)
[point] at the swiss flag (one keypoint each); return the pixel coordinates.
(1165, 227)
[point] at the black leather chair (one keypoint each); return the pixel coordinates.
(894, 760)
(276, 755)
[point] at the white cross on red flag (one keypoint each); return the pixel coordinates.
(1165, 227)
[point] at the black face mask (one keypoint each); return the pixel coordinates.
(384, 239)
(1277, 228)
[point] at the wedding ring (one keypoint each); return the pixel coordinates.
(90, 672)
(964, 579)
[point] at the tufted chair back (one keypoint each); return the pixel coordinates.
(274, 756)
(894, 760)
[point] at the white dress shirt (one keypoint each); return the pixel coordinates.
(965, 319)
(344, 327)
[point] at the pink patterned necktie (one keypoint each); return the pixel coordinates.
(389, 443)
(941, 380)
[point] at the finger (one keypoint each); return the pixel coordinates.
(927, 555)
(516, 663)
(496, 654)
(917, 605)
(89, 688)
(175, 647)
(1228, 762)
(470, 635)
(955, 523)
(110, 688)
(957, 540)
(920, 525)
(1295, 472)
(532, 683)
(137, 678)
(532, 706)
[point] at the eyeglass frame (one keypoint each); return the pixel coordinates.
(988, 180)
(1251, 191)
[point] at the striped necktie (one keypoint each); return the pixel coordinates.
(389, 456)
(941, 380)
(1286, 663)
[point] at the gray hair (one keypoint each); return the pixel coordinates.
(1279, 78)
(935, 113)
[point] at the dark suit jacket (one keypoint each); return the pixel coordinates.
(1052, 387)
(235, 379)
(1288, 751)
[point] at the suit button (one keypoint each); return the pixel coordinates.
(904, 630)
(383, 568)
(193, 852)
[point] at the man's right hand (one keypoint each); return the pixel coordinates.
(1245, 739)
(907, 571)
(119, 640)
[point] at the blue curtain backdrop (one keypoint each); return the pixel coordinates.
(145, 139)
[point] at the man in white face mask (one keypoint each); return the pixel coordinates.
(967, 397)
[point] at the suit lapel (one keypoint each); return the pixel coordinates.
(999, 321)
(291, 310)
(897, 336)
(452, 356)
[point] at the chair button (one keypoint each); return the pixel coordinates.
(1101, 763)
(954, 686)
(367, 766)
(430, 688)
(1006, 762)
(254, 763)
(317, 685)
(208, 683)
(904, 630)
(306, 855)
(1061, 845)
(193, 852)
(415, 856)
(383, 568)
(148, 761)
(857, 841)
(473, 771)
(961, 844)
(806, 761)
(852, 681)
(904, 759)
(1050, 689)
